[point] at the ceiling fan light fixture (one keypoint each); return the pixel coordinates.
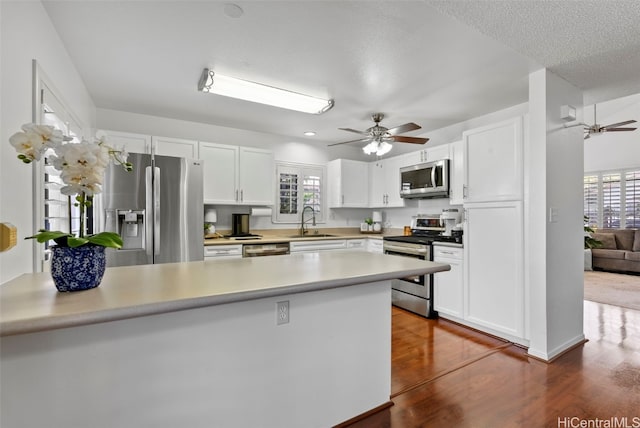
(377, 147)
(216, 83)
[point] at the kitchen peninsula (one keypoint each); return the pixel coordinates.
(199, 344)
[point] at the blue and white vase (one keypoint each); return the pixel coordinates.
(79, 268)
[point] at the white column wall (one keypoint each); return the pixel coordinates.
(554, 253)
(27, 34)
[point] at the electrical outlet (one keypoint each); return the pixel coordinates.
(282, 312)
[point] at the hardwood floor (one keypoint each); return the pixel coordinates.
(444, 375)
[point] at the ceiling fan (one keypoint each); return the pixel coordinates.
(380, 138)
(597, 129)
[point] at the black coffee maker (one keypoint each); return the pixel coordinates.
(240, 225)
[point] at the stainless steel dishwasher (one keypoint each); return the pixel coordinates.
(261, 250)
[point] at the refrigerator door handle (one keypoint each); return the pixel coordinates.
(156, 211)
(148, 226)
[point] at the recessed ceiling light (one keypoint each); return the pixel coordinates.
(309, 133)
(233, 10)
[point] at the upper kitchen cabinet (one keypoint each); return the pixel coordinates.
(456, 173)
(384, 182)
(177, 147)
(256, 175)
(236, 175)
(348, 183)
(139, 143)
(429, 155)
(132, 143)
(493, 162)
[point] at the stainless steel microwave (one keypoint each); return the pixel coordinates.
(425, 180)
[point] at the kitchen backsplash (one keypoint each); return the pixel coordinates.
(340, 217)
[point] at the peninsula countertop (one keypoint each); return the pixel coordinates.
(31, 303)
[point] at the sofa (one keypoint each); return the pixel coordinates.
(620, 250)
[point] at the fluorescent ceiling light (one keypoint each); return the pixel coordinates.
(219, 84)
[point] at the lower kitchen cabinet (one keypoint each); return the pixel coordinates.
(374, 245)
(317, 245)
(357, 244)
(222, 252)
(448, 297)
(494, 258)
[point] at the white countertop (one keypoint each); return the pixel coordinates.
(31, 303)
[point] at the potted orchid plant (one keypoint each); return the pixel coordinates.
(82, 166)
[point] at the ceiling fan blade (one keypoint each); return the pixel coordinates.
(360, 140)
(620, 129)
(353, 130)
(403, 128)
(412, 140)
(615, 125)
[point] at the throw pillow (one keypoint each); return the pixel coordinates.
(608, 240)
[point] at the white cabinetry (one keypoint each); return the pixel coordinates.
(357, 244)
(494, 257)
(319, 245)
(456, 173)
(384, 183)
(221, 252)
(164, 146)
(448, 286)
(256, 173)
(237, 175)
(174, 147)
(348, 183)
(132, 143)
(431, 154)
(374, 245)
(493, 162)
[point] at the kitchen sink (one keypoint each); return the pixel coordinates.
(313, 235)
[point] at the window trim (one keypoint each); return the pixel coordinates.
(599, 223)
(299, 169)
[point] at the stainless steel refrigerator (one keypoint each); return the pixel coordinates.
(157, 209)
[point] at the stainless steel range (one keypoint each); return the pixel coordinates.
(415, 293)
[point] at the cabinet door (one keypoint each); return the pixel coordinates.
(391, 168)
(493, 162)
(437, 153)
(349, 183)
(448, 286)
(456, 174)
(256, 176)
(494, 279)
(220, 173)
(177, 147)
(132, 143)
(377, 197)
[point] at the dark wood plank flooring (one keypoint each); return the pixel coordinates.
(445, 375)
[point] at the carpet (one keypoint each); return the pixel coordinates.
(612, 288)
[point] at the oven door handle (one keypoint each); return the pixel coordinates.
(401, 249)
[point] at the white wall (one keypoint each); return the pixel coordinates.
(27, 34)
(615, 150)
(554, 246)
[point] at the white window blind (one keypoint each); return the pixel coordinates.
(612, 199)
(632, 199)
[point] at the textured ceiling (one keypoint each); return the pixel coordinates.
(593, 44)
(430, 62)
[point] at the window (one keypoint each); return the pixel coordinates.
(612, 199)
(299, 185)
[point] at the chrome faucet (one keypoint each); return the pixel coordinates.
(302, 221)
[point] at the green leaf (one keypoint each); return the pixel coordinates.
(47, 235)
(106, 239)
